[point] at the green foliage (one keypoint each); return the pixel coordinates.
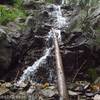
(9, 14)
(18, 3)
(97, 39)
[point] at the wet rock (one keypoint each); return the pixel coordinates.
(5, 51)
(76, 39)
(35, 4)
(30, 90)
(51, 7)
(86, 86)
(75, 22)
(9, 49)
(23, 85)
(79, 88)
(67, 7)
(97, 81)
(2, 81)
(13, 27)
(30, 21)
(58, 2)
(3, 89)
(89, 94)
(96, 97)
(8, 85)
(20, 20)
(72, 93)
(96, 12)
(49, 92)
(45, 13)
(13, 88)
(72, 86)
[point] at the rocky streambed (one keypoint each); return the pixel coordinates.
(23, 42)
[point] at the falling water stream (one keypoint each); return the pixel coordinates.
(58, 24)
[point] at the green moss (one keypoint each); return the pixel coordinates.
(92, 74)
(9, 14)
(49, 1)
(97, 39)
(97, 29)
(18, 3)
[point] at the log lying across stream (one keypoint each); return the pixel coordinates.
(59, 69)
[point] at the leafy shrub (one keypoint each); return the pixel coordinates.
(18, 3)
(9, 14)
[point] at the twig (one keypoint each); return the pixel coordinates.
(79, 70)
(17, 75)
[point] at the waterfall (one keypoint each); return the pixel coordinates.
(60, 21)
(58, 24)
(62, 2)
(30, 71)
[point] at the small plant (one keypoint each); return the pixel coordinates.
(18, 3)
(9, 14)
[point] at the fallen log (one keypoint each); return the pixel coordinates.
(59, 68)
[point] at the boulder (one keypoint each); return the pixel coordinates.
(30, 21)
(5, 51)
(33, 4)
(9, 53)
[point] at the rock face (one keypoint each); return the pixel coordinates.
(33, 4)
(5, 51)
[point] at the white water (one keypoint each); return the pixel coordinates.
(63, 2)
(30, 70)
(59, 23)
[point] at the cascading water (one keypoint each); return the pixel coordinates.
(58, 23)
(30, 71)
(63, 2)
